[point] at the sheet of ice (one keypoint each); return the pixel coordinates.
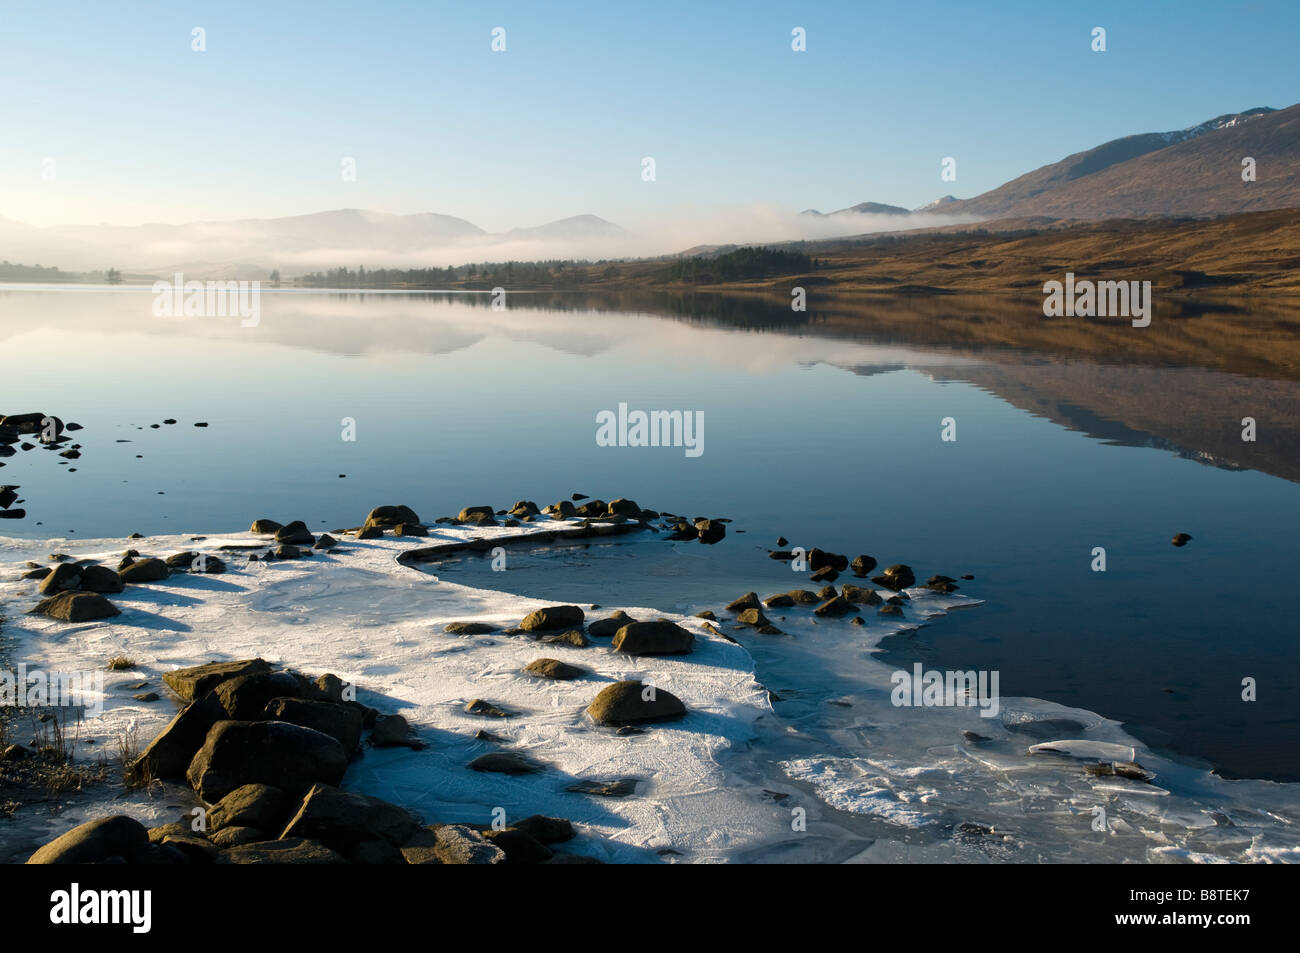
(870, 781)
(357, 613)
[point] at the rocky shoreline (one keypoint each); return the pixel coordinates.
(267, 751)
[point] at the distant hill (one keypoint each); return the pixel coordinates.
(250, 248)
(862, 208)
(1190, 172)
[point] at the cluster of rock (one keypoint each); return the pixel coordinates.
(618, 705)
(265, 750)
(48, 432)
(74, 590)
(830, 602)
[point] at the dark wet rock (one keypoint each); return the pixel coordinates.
(617, 787)
(286, 551)
(328, 687)
(245, 697)
(65, 576)
(482, 735)
(295, 533)
(555, 669)
(520, 847)
(95, 842)
(890, 610)
(1181, 539)
(370, 532)
(145, 570)
(782, 541)
(660, 637)
(784, 555)
(944, 587)
(974, 737)
(393, 731)
(825, 574)
(753, 617)
(546, 830)
(391, 516)
(835, 607)
(896, 577)
(257, 806)
(461, 844)
(826, 592)
(623, 507)
(563, 509)
(229, 837)
(711, 531)
(553, 617)
(857, 620)
(505, 762)
(820, 559)
(803, 597)
(610, 625)
(341, 819)
(146, 697)
(16, 753)
(706, 614)
(476, 514)
(341, 722)
(293, 850)
(7, 495)
(524, 508)
(265, 527)
(197, 680)
(780, 601)
(326, 541)
(748, 601)
(469, 628)
(859, 595)
(894, 600)
(630, 703)
(968, 576)
(572, 637)
(76, 607)
(277, 753)
(409, 529)
(196, 848)
(477, 706)
(171, 751)
(100, 579)
(862, 565)
(25, 423)
(593, 508)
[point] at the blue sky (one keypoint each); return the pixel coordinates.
(142, 128)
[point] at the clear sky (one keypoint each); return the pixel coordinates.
(142, 128)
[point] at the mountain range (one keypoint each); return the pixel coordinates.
(1194, 172)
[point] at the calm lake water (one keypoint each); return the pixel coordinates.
(826, 432)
